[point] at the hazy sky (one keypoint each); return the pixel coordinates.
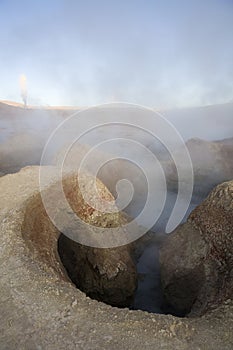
(155, 53)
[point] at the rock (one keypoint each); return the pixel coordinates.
(180, 261)
(197, 258)
(105, 274)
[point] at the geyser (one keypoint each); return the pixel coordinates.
(23, 89)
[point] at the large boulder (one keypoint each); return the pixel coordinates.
(106, 274)
(197, 258)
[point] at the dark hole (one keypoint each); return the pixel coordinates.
(148, 294)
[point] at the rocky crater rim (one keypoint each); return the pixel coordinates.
(105, 274)
(36, 293)
(101, 280)
(29, 243)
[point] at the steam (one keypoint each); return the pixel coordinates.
(24, 133)
(23, 89)
(170, 62)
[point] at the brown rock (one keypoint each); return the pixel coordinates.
(105, 274)
(197, 258)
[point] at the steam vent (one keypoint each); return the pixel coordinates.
(60, 295)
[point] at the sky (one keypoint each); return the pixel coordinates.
(160, 54)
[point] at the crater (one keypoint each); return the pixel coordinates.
(38, 298)
(116, 276)
(121, 276)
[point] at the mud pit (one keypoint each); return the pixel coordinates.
(42, 309)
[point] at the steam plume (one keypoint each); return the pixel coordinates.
(23, 89)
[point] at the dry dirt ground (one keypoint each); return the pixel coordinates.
(40, 310)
